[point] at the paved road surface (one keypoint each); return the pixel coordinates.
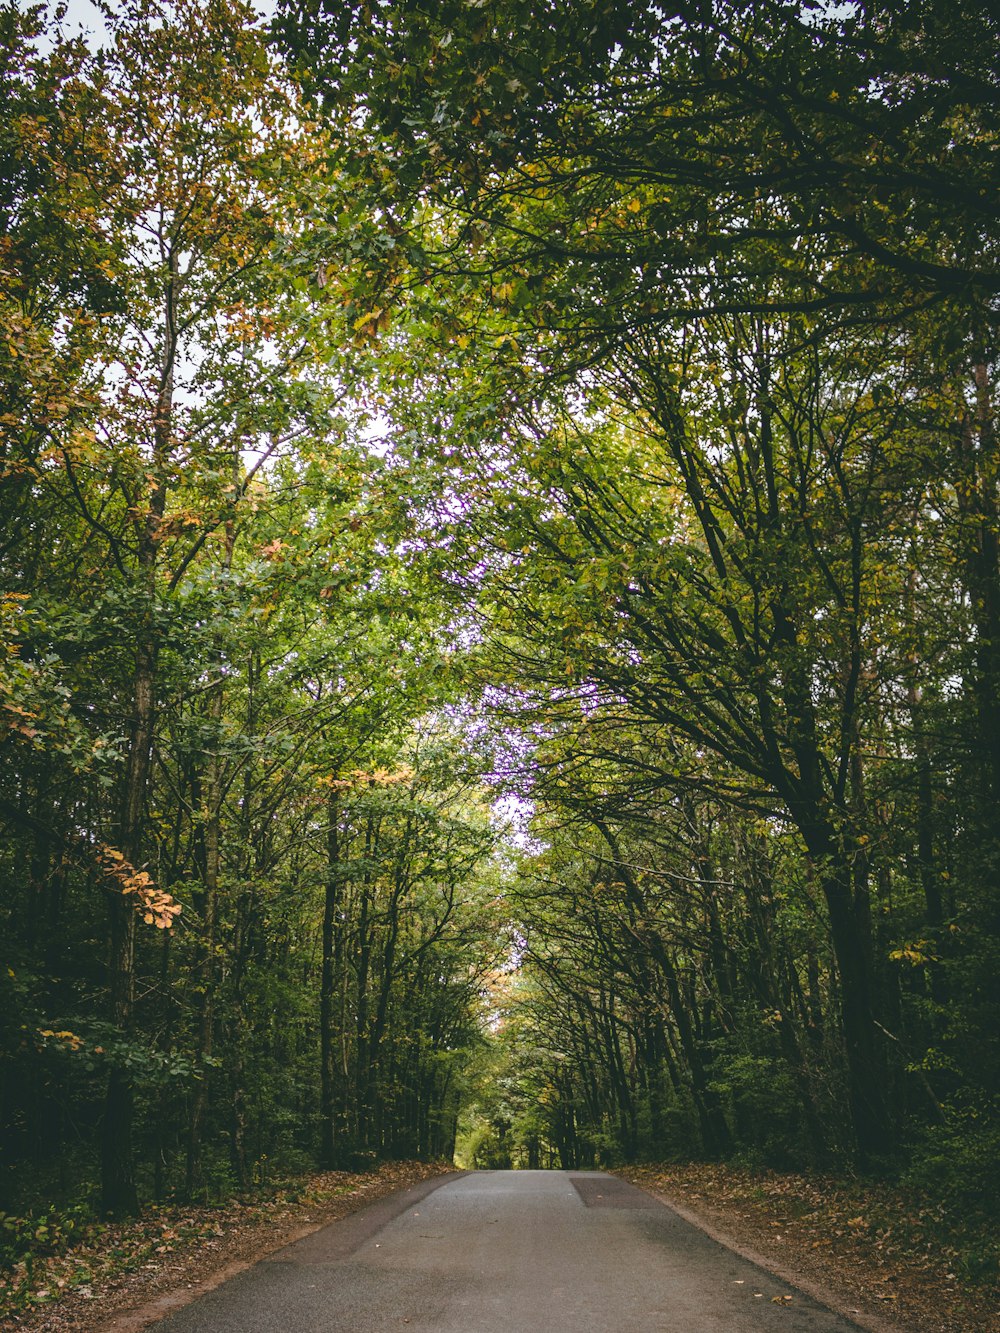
(507, 1252)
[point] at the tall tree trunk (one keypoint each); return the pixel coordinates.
(118, 1191)
(978, 496)
(983, 567)
(836, 846)
(211, 874)
(850, 929)
(332, 964)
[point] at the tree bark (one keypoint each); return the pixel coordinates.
(118, 1190)
(210, 879)
(332, 963)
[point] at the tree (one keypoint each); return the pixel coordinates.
(209, 622)
(176, 154)
(696, 223)
(845, 153)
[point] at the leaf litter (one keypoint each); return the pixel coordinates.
(117, 1269)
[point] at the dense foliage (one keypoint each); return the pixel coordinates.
(587, 405)
(709, 441)
(249, 885)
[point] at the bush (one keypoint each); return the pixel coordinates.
(957, 1160)
(47, 1233)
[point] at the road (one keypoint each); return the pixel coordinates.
(507, 1252)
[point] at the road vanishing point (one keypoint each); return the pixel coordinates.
(508, 1252)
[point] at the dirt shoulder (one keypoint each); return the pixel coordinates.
(885, 1258)
(124, 1276)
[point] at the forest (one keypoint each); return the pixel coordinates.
(500, 591)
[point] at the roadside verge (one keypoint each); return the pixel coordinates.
(129, 1274)
(871, 1253)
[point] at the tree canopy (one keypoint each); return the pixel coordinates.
(500, 589)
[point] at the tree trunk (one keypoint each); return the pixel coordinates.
(118, 1191)
(332, 963)
(866, 1071)
(211, 873)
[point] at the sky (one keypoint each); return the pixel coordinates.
(82, 16)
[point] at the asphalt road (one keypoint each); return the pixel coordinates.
(507, 1252)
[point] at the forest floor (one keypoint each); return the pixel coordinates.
(122, 1276)
(887, 1259)
(883, 1256)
